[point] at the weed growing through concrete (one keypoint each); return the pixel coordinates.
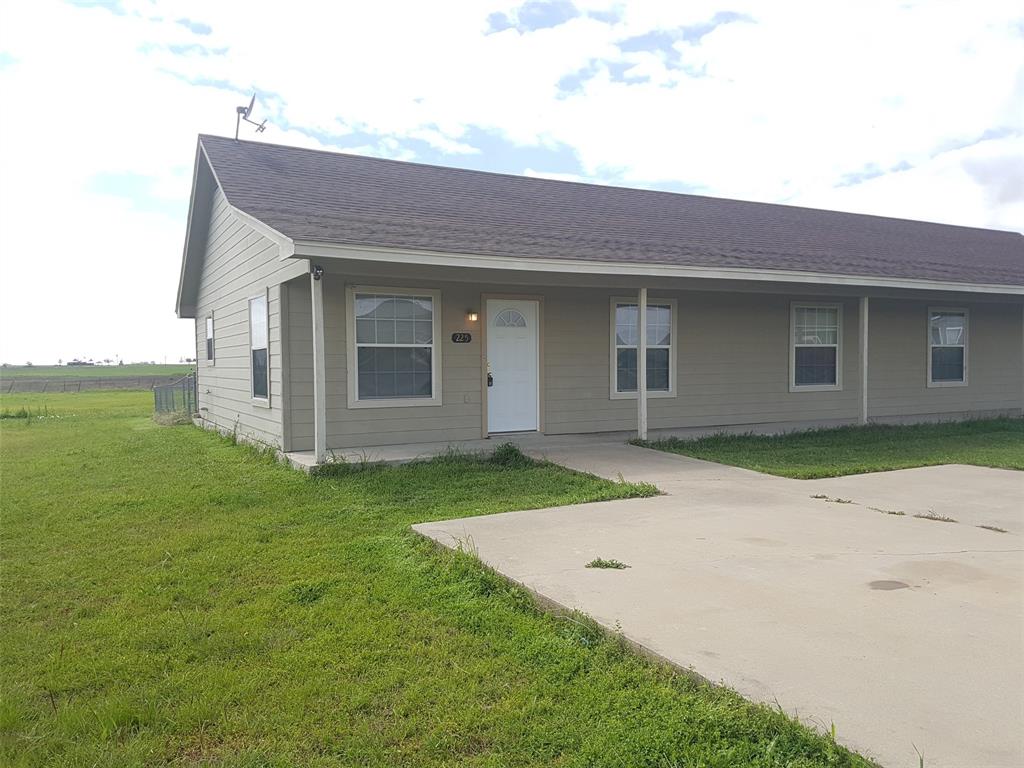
(896, 512)
(600, 562)
(995, 528)
(932, 515)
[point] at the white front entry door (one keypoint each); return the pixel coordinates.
(513, 364)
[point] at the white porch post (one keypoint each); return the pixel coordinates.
(319, 367)
(864, 359)
(641, 365)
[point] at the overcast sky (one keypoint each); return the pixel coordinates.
(908, 109)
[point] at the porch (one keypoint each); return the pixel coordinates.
(727, 353)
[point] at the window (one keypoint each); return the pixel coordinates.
(392, 347)
(947, 347)
(660, 353)
(510, 318)
(259, 359)
(209, 338)
(815, 353)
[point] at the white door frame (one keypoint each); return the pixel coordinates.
(484, 298)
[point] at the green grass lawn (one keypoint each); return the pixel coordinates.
(853, 450)
(172, 599)
(133, 370)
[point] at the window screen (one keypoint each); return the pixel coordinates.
(394, 346)
(815, 346)
(947, 346)
(260, 361)
(659, 347)
(209, 338)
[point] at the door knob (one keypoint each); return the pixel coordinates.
(490, 379)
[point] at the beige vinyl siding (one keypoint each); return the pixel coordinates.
(239, 263)
(732, 352)
(458, 418)
(732, 365)
(898, 364)
(299, 340)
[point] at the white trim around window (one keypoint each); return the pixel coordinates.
(825, 333)
(960, 339)
(418, 341)
(614, 347)
(259, 342)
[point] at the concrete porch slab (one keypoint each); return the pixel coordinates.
(532, 443)
(536, 444)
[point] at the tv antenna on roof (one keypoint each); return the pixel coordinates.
(242, 113)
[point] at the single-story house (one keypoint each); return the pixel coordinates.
(343, 302)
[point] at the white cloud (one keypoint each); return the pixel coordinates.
(533, 173)
(784, 108)
(980, 185)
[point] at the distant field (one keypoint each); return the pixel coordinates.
(93, 371)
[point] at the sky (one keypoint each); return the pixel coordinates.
(906, 109)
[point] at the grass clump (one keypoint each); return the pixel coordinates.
(894, 512)
(930, 515)
(508, 456)
(23, 412)
(172, 599)
(854, 450)
(172, 418)
(306, 593)
(600, 562)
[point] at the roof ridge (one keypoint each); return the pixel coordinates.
(567, 182)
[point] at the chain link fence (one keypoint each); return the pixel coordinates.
(178, 397)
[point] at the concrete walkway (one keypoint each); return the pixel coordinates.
(900, 630)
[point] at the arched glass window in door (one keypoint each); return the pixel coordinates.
(510, 318)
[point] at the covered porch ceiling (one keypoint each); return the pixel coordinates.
(356, 264)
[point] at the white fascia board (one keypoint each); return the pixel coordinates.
(311, 249)
(285, 244)
(182, 310)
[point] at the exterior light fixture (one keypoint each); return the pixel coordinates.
(472, 316)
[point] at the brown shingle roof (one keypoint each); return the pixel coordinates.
(348, 199)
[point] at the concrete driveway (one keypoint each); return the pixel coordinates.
(900, 630)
